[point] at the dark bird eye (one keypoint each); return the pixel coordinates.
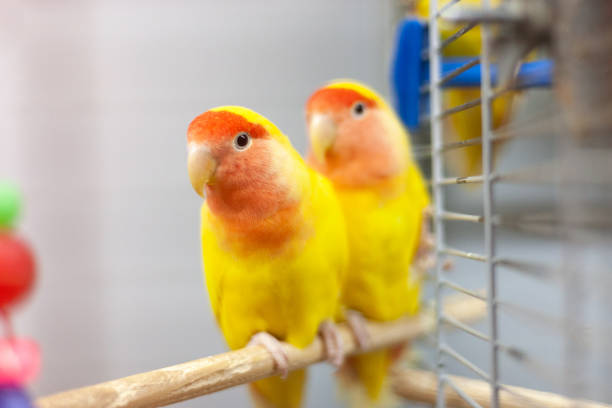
(242, 141)
(359, 109)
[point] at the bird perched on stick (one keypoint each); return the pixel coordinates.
(273, 242)
(358, 142)
(467, 124)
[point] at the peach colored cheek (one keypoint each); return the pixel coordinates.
(359, 134)
(241, 166)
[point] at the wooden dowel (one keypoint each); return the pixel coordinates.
(422, 386)
(207, 375)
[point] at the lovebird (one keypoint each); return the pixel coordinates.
(273, 242)
(359, 143)
(467, 124)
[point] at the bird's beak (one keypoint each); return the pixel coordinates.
(201, 166)
(322, 133)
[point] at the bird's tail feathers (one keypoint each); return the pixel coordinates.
(275, 392)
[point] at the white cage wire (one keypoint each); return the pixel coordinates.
(574, 221)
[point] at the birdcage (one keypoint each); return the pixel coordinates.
(541, 221)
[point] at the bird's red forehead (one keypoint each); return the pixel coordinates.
(216, 126)
(336, 99)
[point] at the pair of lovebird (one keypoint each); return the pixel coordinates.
(291, 247)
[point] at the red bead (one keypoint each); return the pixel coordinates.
(16, 270)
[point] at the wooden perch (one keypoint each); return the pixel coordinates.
(422, 386)
(207, 375)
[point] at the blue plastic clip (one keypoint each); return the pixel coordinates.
(410, 73)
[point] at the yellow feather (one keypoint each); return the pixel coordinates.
(287, 294)
(383, 227)
(467, 124)
(383, 231)
(285, 291)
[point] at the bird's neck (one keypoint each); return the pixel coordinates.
(258, 211)
(247, 202)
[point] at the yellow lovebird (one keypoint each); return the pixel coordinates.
(358, 142)
(467, 124)
(273, 242)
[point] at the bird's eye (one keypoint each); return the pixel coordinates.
(242, 141)
(359, 109)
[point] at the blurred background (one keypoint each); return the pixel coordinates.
(95, 99)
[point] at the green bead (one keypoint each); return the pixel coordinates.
(10, 204)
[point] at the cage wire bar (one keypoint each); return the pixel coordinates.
(487, 179)
(436, 174)
(578, 217)
(487, 193)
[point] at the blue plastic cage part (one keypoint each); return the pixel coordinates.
(410, 73)
(12, 396)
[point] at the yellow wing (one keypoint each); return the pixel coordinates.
(384, 227)
(383, 233)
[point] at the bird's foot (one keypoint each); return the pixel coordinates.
(427, 240)
(425, 257)
(357, 324)
(424, 263)
(333, 343)
(275, 348)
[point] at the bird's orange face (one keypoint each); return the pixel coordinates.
(224, 146)
(347, 131)
(340, 103)
(236, 162)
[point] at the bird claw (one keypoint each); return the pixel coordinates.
(427, 241)
(358, 327)
(425, 262)
(275, 348)
(425, 258)
(333, 343)
(448, 264)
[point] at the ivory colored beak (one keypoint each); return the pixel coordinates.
(322, 133)
(201, 167)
